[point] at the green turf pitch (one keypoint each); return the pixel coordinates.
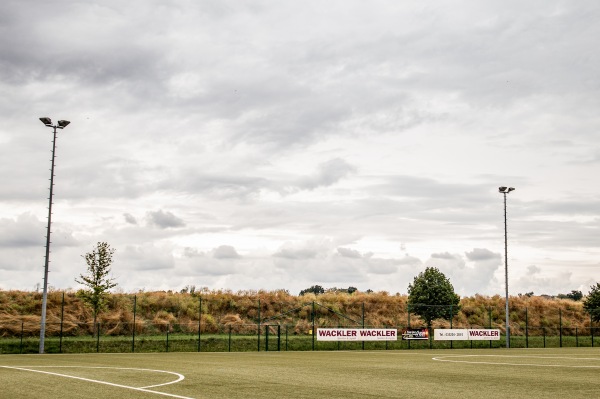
(496, 373)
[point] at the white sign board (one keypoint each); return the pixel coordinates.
(451, 334)
(357, 334)
(484, 335)
(463, 334)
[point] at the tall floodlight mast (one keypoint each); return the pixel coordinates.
(59, 125)
(506, 190)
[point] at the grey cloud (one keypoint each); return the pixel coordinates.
(189, 252)
(164, 220)
(328, 173)
(300, 253)
(129, 218)
(410, 260)
(542, 283)
(556, 234)
(432, 189)
(223, 186)
(225, 252)
(349, 253)
(25, 231)
(445, 255)
(383, 266)
(482, 254)
(475, 276)
(146, 257)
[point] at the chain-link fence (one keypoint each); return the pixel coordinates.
(212, 325)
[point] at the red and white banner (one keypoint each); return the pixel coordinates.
(357, 334)
(484, 335)
(463, 334)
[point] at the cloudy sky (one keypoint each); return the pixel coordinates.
(279, 144)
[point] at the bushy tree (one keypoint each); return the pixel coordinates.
(315, 289)
(591, 304)
(97, 279)
(573, 295)
(431, 296)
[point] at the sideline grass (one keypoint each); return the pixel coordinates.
(497, 373)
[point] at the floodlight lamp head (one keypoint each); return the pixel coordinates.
(46, 121)
(511, 189)
(502, 189)
(63, 124)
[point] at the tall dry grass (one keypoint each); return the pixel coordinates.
(239, 311)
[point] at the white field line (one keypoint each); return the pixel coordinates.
(143, 389)
(447, 359)
(180, 377)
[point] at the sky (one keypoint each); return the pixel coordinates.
(265, 145)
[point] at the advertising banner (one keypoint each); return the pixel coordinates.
(473, 334)
(484, 335)
(357, 334)
(451, 334)
(415, 333)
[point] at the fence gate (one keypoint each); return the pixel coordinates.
(272, 337)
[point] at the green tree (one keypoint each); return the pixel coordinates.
(97, 279)
(591, 304)
(575, 295)
(315, 289)
(431, 296)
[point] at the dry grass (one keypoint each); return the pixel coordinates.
(223, 310)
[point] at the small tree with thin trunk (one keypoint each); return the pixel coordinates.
(97, 279)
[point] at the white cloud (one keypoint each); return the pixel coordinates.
(287, 156)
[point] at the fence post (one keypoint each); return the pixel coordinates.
(363, 323)
(134, 314)
(22, 330)
(229, 346)
(386, 341)
(544, 334)
(286, 338)
(490, 318)
(408, 316)
(62, 317)
(313, 325)
(98, 338)
(560, 326)
(266, 338)
(258, 326)
(168, 328)
(199, 323)
(576, 338)
(526, 328)
(278, 337)
(430, 329)
(451, 317)
(592, 328)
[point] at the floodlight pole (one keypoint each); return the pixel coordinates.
(506, 190)
(60, 125)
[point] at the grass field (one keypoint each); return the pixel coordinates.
(477, 373)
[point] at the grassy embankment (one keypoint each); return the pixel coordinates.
(224, 311)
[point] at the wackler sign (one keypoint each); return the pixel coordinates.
(463, 334)
(357, 334)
